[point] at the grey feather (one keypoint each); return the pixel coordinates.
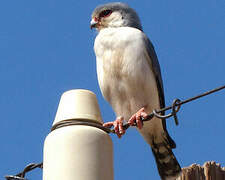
(154, 63)
(167, 163)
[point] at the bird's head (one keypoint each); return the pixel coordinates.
(115, 14)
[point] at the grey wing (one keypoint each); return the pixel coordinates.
(156, 69)
(154, 63)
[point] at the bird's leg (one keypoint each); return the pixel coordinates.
(136, 118)
(118, 126)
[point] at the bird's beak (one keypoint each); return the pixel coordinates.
(93, 23)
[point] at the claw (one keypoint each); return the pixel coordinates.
(136, 118)
(118, 126)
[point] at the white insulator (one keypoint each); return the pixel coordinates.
(78, 152)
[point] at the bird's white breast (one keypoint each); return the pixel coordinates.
(124, 74)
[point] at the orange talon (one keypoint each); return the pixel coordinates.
(118, 126)
(136, 118)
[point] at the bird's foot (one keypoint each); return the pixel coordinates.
(136, 118)
(118, 126)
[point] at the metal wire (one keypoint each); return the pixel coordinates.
(28, 168)
(176, 105)
(70, 122)
(156, 113)
(190, 99)
(175, 108)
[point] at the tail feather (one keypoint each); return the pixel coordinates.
(167, 164)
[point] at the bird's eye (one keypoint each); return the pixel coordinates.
(105, 13)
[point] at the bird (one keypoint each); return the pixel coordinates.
(130, 79)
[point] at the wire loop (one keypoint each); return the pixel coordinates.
(71, 122)
(175, 108)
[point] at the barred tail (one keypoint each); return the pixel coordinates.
(167, 164)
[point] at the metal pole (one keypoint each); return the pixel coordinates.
(78, 152)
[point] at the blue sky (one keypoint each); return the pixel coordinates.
(46, 48)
